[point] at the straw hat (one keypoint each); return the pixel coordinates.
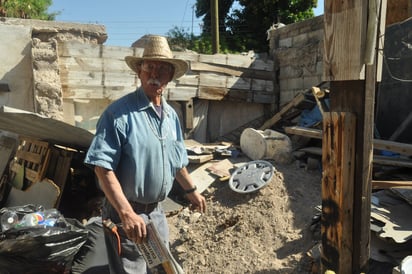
(156, 48)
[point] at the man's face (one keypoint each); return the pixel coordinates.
(154, 76)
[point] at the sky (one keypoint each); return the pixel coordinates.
(128, 20)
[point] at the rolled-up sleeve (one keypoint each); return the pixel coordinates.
(105, 148)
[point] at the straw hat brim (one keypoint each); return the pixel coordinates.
(181, 66)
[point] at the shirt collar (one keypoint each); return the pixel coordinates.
(143, 101)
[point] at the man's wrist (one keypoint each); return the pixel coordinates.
(190, 190)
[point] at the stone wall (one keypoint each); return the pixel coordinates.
(297, 50)
(42, 91)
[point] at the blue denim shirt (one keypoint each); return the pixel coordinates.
(143, 150)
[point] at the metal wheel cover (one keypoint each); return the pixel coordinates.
(251, 176)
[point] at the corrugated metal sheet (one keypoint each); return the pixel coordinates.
(33, 125)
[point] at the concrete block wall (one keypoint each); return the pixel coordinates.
(297, 50)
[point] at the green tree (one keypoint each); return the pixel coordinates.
(249, 24)
(243, 24)
(180, 39)
(27, 9)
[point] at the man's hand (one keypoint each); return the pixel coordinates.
(134, 227)
(197, 200)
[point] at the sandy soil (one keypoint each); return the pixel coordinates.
(268, 231)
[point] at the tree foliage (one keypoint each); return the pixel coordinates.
(26, 9)
(249, 25)
(243, 24)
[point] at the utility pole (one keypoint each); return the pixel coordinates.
(193, 11)
(214, 18)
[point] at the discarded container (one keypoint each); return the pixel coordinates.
(31, 219)
(268, 144)
(8, 220)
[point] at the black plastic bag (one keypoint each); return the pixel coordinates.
(41, 249)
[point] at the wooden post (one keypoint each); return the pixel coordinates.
(338, 158)
(188, 113)
(351, 66)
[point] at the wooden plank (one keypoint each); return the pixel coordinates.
(303, 131)
(212, 80)
(241, 83)
(181, 93)
(214, 93)
(192, 143)
(188, 80)
(401, 148)
(201, 176)
(95, 91)
(84, 77)
(340, 38)
(200, 159)
(233, 71)
(390, 161)
(222, 168)
(94, 64)
(376, 184)
(293, 103)
(338, 159)
(379, 160)
(73, 48)
(226, 59)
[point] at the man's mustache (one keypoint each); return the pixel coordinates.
(154, 82)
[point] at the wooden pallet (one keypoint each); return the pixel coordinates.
(33, 156)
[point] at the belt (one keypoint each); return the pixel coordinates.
(143, 208)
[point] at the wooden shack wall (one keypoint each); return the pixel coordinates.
(92, 76)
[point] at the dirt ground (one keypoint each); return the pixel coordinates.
(267, 231)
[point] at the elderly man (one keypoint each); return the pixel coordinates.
(137, 152)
